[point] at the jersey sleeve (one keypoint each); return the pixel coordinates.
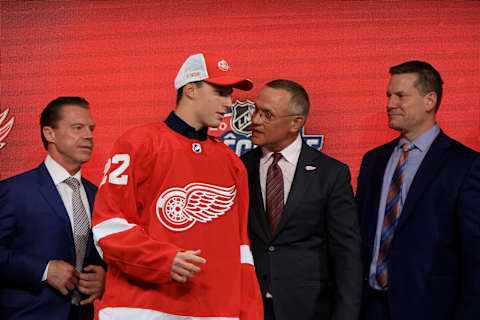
(119, 237)
(251, 307)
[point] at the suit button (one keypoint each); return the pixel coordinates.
(271, 248)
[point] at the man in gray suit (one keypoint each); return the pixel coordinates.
(302, 222)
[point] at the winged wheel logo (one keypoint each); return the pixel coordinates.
(178, 209)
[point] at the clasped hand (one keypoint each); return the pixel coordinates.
(64, 277)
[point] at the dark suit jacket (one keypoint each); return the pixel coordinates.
(434, 257)
(35, 228)
(313, 258)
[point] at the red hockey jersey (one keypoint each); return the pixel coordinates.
(163, 193)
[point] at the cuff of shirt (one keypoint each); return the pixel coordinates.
(44, 277)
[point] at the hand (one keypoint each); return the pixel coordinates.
(91, 282)
(181, 269)
(62, 276)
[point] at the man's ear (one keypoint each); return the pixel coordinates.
(430, 100)
(297, 123)
(190, 90)
(49, 134)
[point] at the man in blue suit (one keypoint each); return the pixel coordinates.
(48, 266)
(419, 205)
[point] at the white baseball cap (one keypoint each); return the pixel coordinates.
(211, 69)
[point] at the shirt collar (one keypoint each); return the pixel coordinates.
(177, 124)
(290, 153)
(58, 173)
(424, 141)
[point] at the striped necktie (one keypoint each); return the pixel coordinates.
(274, 192)
(392, 214)
(81, 224)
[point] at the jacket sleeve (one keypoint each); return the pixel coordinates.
(468, 213)
(344, 247)
(16, 266)
(119, 237)
(251, 300)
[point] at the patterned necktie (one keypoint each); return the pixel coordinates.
(274, 192)
(81, 224)
(392, 213)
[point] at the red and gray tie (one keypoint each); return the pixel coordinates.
(274, 192)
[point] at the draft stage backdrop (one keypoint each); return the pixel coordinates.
(122, 56)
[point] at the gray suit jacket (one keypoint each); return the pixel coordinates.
(313, 259)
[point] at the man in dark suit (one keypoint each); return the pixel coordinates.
(49, 268)
(303, 221)
(419, 207)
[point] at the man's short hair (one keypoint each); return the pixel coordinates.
(53, 111)
(299, 102)
(180, 90)
(428, 77)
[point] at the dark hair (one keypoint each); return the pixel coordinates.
(428, 77)
(299, 102)
(52, 113)
(180, 90)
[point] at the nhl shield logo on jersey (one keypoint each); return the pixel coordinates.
(235, 129)
(178, 209)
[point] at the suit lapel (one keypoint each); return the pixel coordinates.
(431, 164)
(91, 197)
(90, 194)
(299, 186)
(50, 193)
(258, 217)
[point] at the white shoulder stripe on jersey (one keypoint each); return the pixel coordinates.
(146, 314)
(107, 228)
(246, 254)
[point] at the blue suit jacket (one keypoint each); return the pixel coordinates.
(434, 257)
(34, 229)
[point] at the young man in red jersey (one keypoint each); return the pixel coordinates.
(170, 217)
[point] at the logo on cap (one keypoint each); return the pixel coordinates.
(194, 74)
(223, 65)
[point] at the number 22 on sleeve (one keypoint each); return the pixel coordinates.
(116, 176)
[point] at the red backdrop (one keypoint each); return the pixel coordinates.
(122, 56)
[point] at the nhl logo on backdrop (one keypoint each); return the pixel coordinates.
(241, 120)
(235, 129)
(5, 128)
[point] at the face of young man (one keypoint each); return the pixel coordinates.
(409, 111)
(273, 126)
(211, 104)
(71, 139)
